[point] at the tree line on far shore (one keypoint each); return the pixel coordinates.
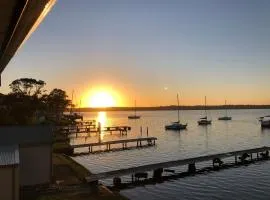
(29, 103)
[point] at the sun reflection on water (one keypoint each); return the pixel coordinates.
(102, 118)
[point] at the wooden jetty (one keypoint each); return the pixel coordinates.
(149, 141)
(86, 122)
(92, 129)
(158, 167)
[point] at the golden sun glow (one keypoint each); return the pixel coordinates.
(102, 99)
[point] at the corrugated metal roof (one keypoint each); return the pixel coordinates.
(9, 155)
(36, 134)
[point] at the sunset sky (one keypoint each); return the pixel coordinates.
(149, 50)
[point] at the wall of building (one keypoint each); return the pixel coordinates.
(35, 164)
(9, 183)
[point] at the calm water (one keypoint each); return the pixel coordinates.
(247, 182)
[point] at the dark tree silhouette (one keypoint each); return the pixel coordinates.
(57, 101)
(27, 86)
(28, 103)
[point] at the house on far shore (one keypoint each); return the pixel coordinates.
(25, 158)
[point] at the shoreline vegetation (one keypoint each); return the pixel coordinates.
(29, 103)
(174, 107)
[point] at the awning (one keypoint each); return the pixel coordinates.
(18, 19)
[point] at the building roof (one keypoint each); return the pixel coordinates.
(9, 155)
(25, 135)
(18, 19)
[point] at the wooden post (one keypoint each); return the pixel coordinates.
(141, 131)
(99, 132)
(147, 131)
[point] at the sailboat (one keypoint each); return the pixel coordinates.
(226, 117)
(73, 115)
(135, 116)
(176, 125)
(204, 120)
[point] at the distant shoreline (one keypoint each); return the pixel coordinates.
(173, 107)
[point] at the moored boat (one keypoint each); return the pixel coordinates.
(265, 122)
(134, 116)
(226, 117)
(204, 120)
(176, 125)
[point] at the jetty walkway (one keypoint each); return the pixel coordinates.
(76, 129)
(240, 156)
(140, 142)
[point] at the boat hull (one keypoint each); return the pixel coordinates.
(204, 122)
(225, 118)
(134, 117)
(265, 124)
(176, 127)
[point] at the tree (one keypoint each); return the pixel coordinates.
(28, 103)
(57, 101)
(27, 86)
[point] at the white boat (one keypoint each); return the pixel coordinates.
(226, 117)
(204, 120)
(265, 121)
(176, 125)
(135, 116)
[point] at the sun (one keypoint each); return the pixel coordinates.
(101, 99)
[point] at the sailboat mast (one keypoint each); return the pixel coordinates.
(226, 108)
(178, 107)
(71, 102)
(205, 106)
(135, 107)
(80, 106)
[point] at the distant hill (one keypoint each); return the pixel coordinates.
(173, 107)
